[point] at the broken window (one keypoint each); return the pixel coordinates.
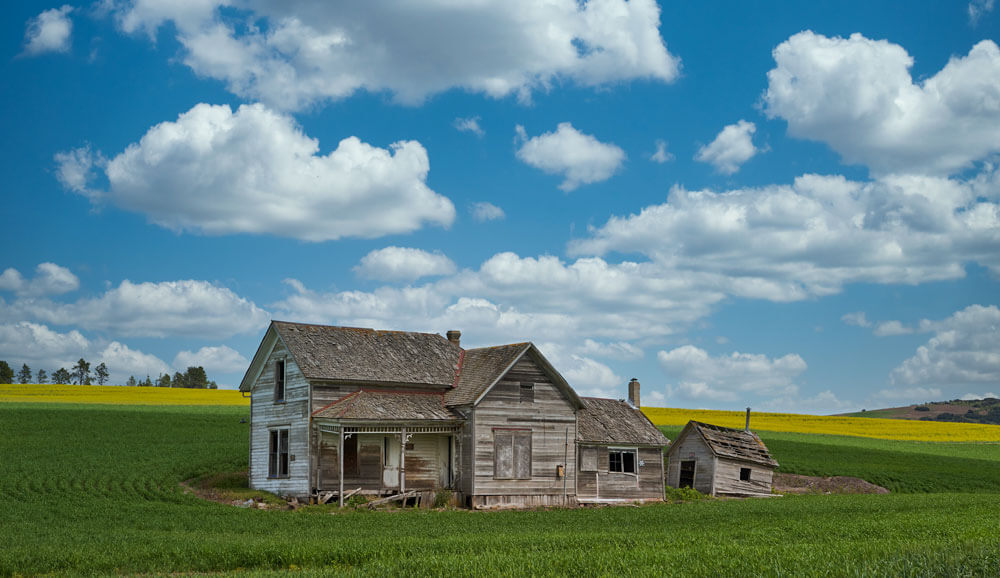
(687, 474)
(745, 474)
(279, 380)
(511, 454)
(622, 461)
(527, 392)
(277, 463)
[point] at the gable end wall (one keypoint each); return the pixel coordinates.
(292, 414)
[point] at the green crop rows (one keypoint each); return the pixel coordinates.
(95, 490)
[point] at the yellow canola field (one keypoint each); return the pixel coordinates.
(868, 427)
(120, 395)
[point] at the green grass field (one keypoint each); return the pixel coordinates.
(95, 490)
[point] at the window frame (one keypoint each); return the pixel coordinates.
(278, 454)
(622, 462)
(527, 386)
(745, 474)
(520, 465)
(280, 381)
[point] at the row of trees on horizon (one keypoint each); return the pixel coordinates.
(79, 374)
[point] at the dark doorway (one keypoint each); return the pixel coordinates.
(687, 474)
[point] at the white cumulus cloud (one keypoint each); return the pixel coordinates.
(221, 359)
(732, 147)
(483, 211)
(49, 279)
(580, 158)
(50, 31)
(811, 238)
(219, 172)
(166, 309)
(403, 264)
(661, 155)
(293, 54)
(470, 124)
(888, 328)
(698, 376)
(857, 95)
(44, 348)
(858, 319)
(965, 349)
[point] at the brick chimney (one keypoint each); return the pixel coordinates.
(455, 336)
(633, 393)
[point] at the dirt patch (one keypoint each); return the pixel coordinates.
(797, 484)
(230, 488)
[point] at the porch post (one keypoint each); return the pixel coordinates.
(402, 461)
(340, 470)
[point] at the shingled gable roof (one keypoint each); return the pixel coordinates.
(329, 353)
(730, 443)
(482, 368)
(388, 406)
(609, 421)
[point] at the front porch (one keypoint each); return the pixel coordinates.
(383, 459)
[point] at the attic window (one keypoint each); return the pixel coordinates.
(527, 392)
(279, 380)
(745, 474)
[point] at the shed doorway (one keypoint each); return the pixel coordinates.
(687, 474)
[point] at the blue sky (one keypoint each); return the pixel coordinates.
(793, 206)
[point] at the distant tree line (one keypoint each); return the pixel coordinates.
(79, 374)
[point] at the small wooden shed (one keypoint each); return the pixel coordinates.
(720, 461)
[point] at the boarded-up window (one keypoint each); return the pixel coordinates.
(277, 462)
(745, 474)
(588, 459)
(279, 380)
(622, 461)
(527, 392)
(511, 454)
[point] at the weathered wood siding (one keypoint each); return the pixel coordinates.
(728, 482)
(465, 465)
(425, 466)
(691, 447)
(550, 418)
(595, 481)
(267, 414)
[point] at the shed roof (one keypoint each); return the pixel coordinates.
(613, 422)
(736, 444)
(388, 406)
(326, 352)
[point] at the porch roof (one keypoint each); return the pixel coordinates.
(388, 406)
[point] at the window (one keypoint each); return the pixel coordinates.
(745, 474)
(279, 380)
(622, 461)
(687, 474)
(277, 463)
(527, 392)
(511, 454)
(588, 459)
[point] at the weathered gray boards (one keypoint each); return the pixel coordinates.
(720, 461)
(334, 409)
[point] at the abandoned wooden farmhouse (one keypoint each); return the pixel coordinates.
(720, 461)
(338, 409)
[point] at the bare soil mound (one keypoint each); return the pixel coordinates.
(797, 484)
